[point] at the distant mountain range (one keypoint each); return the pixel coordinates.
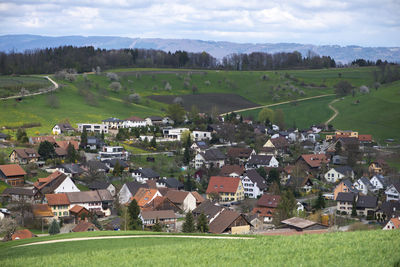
(344, 54)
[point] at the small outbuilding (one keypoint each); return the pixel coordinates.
(300, 224)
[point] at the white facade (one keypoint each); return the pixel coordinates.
(113, 152)
(201, 135)
(66, 186)
(111, 189)
(199, 161)
(390, 224)
(251, 189)
(377, 183)
(333, 176)
(56, 130)
(174, 134)
(124, 194)
(189, 203)
(392, 193)
(93, 127)
(134, 123)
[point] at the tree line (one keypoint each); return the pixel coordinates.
(85, 59)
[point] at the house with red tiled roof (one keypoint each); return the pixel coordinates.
(365, 138)
(313, 161)
(393, 223)
(183, 199)
(22, 234)
(35, 140)
(79, 212)
(225, 189)
(12, 174)
(145, 195)
(161, 203)
(84, 226)
(57, 182)
(232, 170)
(59, 204)
(24, 156)
(266, 206)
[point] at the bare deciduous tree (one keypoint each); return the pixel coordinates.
(7, 228)
(115, 86)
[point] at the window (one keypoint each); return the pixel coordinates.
(60, 213)
(55, 213)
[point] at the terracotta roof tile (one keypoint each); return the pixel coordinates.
(12, 170)
(42, 210)
(84, 226)
(76, 209)
(57, 199)
(176, 196)
(315, 160)
(144, 196)
(270, 201)
(223, 184)
(198, 197)
(22, 234)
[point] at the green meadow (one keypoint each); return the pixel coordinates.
(362, 248)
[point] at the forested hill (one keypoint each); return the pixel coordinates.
(344, 54)
(85, 59)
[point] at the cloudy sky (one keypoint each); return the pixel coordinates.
(343, 22)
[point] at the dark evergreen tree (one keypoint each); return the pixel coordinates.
(202, 224)
(188, 226)
(46, 150)
(354, 208)
(83, 139)
(72, 156)
(96, 222)
(54, 228)
(320, 202)
(153, 142)
(135, 223)
(157, 226)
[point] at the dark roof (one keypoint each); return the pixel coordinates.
(390, 207)
(105, 195)
(92, 140)
(148, 173)
(50, 183)
(367, 202)
(26, 153)
(239, 152)
(298, 181)
(121, 162)
(396, 186)
(349, 140)
(65, 127)
(134, 186)
(366, 181)
(381, 179)
(3, 135)
(83, 197)
(226, 170)
(160, 214)
(213, 154)
(72, 168)
(98, 185)
(255, 177)
(259, 160)
(201, 144)
(268, 200)
(155, 118)
(280, 142)
(19, 191)
(208, 208)
(345, 197)
(350, 185)
(96, 165)
(223, 221)
(176, 196)
(345, 170)
(173, 183)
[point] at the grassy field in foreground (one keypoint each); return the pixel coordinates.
(365, 248)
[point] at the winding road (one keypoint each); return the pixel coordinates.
(55, 87)
(277, 104)
(131, 236)
(334, 110)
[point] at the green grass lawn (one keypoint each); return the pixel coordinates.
(364, 248)
(12, 85)
(378, 113)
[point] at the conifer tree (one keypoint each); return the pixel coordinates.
(188, 225)
(202, 224)
(54, 228)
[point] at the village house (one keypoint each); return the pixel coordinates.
(209, 209)
(225, 189)
(158, 121)
(128, 190)
(232, 171)
(59, 204)
(97, 185)
(95, 166)
(313, 162)
(279, 144)
(57, 182)
(174, 134)
(143, 174)
(24, 156)
(113, 123)
(144, 196)
(344, 186)
(79, 213)
(258, 161)
(210, 158)
(378, 181)
(134, 122)
(393, 223)
(229, 221)
(62, 128)
(365, 205)
(183, 199)
(93, 128)
(303, 184)
(98, 201)
(363, 185)
(84, 226)
(12, 174)
(161, 203)
(200, 135)
(266, 206)
(392, 192)
(199, 146)
(42, 212)
(94, 143)
(171, 182)
(20, 193)
(338, 173)
(113, 152)
(387, 210)
(240, 155)
(377, 167)
(164, 217)
(254, 184)
(72, 170)
(36, 140)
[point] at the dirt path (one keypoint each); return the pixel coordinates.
(334, 110)
(131, 236)
(55, 87)
(276, 104)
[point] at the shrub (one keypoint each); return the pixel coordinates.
(54, 228)
(112, 76)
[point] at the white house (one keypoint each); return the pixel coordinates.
(211, 157)
(393, 192)
(253, 183)
(113, 152)
(338, 173)
(378, 181)
(113, 123)
(183, 199)
(257, 161)
(201, 135)
(174, 134)
(93, 127)
(128, 190)
(363, 185)
(393, 223)
(98, 200)
(57, 182)
(66, 186)
(62, 128)
(134, 122)
(165, 217)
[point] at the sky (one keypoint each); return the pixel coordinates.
(319, 22)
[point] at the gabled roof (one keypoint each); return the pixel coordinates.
(208, 208)
(176, 196)
(60, 152)
(268, 200)
(299, 222)
(64, 144)
(259, 160)
(157, 203)
(223, 184)
(57, 199)
(315, 160)
(18, 191)
(349, 185)
(160, 214)
(12, 170)
(97, 165)
(147, 173)
(255, 177)
(280, 142)
(50, 183)
(367, 202)
(239, 152)
(298, 181)
(226, 170)
(396, 186)
(213, 154)
(346, 197)
(349, 140)
(112, 120)
(396, 222)
(365, 138)
(380, 178)
(84, 226)
(105, 195)
(173, 183)
(99, 185)
(345, 170)
(197, 196)
(77, 208)
(202, 144)
(83, 197)
(135, 186)
(72, 168)
(223, 221)
(134, 118)
(22, 234)
(390, 207)
(365, 181)
(144, 196)
(65, 127)
(26, 153)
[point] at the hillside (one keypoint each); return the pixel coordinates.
(363, 248)
(217, 49)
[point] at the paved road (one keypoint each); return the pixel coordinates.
(132, 236)
(334, 110)
(55, 87)
(277, 104)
